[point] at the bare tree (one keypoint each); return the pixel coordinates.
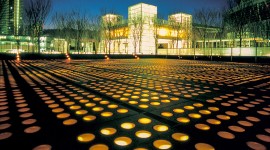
(176, 30)
(79, 24)
(219, 22)
(95, 32)
(205, 18)
(137, 23)
(157, 22)
(120, 33)
(36, 12)
(108, 22)
(237, 19)
(265, 31)
(62, 22)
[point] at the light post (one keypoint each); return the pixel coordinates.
(51, 46)
(231, 52)
(194, 49)
(18, 43)
(256, 54)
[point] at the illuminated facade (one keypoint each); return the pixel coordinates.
(143, 33)
(11, 17)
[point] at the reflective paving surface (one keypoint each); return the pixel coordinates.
(134, 104)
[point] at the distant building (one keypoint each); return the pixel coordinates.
(11, 21)
(144, 33)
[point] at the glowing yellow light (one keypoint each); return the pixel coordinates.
(213, 108)
(86, 137)
(75, 107)
(204, 146)
(174, 99)
(178, 110)
(69, 122)
(163, 32)
(63, 115)
(133, 102)
(135, 97)
(89, 118)
(128, 125)
(183, 120)
(193, 115)
(143, 106)
(165, 101)
(104, 102)
(155, 103)
(223, 117)
(108, 131)
(81, 112)
(122, 141)
(90, 104)
(99, 147)
(112, 106)
(166, 114)
(205, 112)
(198, 105)
(122, 111)
(97, 99)
(106, 114)
(140, 148)
(162, 144)
(180, 137)
(161, 128)
(144, 120)
(213, 121)
(202, 126)
(124, 99)
(189, 107)
(143, 134)
(97, 109)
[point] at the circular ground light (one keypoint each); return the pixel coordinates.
(202, 126)
(180, 137)
(108, 131)
(263, 137)
(162, 144)
(5, 135)
(122, 141)
(183, 120)
(70, 122)
(204, 146)
(256, 145)
(89, 118)
(143, 134)
(86, 137)
(213, 121)
(32, 129)
(106, 114)
(128, 125)
(236, 129)
(43, 147)
(226, 135)
(160, 128)
(144, 120)
(99, 147)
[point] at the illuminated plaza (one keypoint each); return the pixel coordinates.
(133, 104)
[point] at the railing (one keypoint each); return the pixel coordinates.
(244, 51)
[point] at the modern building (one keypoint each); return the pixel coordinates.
(11, 20)
(144, 33)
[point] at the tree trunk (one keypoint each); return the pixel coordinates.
(38, 44)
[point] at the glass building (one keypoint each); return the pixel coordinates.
(11, 21)
(144, 33)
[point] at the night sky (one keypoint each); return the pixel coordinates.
(165, 7)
